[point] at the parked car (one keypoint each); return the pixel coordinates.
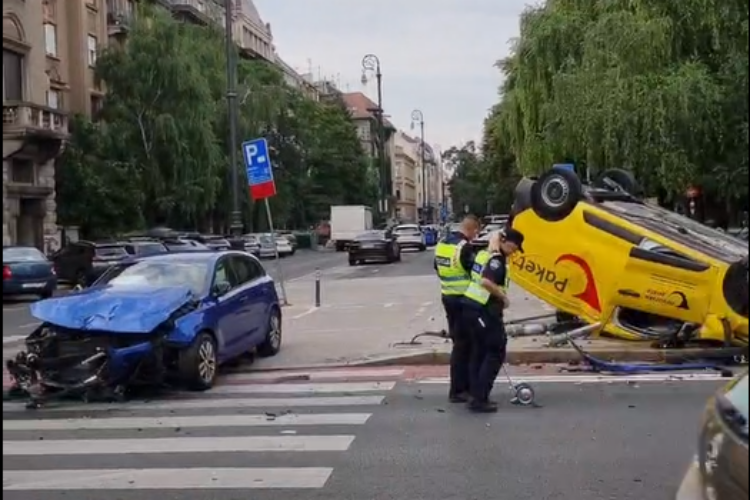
(215, 242)
(82, 262)
(175, 315)
(291, 238)
(720, 470)
(252, 244)
(180, 245)
(374, 245)
(27, 271)
(144, 247)
(601, 253)
(410, 236)
(284, 246)
(267, 246)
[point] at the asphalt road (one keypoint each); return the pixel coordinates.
(18, 321)
(413, 263)
(366, 440)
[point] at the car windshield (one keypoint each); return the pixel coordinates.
(22, 254)
(160, 273)
(669, 224)
(372, 235)
(111, 251)
(266, 239)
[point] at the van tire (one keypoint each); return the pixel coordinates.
(556, 194)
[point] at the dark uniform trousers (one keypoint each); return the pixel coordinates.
(489, 344)
(461, 351)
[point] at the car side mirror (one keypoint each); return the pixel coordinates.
(221, 288)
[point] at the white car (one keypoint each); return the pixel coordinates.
(284, 246)
(410, 236)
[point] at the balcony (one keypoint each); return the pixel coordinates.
(119, 16)
(21, 119)
(199, 11)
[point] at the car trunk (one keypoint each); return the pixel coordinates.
(27, 271)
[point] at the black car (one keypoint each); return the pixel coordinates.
(27, 271)
(374, 245)
(720, 471)
(83, 262)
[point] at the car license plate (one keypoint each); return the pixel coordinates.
(32, 285)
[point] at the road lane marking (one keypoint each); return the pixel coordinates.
(306, 313)
(212, 444)
(210, 403)
(315, 388)
(29, 325)
(596, 379)
(222, 421)
(12, 339)
(171, 479)
(315, 376)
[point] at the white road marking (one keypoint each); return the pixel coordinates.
(184, 422)
(306, 313)
(29, 325)
(13, 339)
(317, 388)
(212, 444)
(207, 403)
(597, 379)
(317, 376)
(175, 479)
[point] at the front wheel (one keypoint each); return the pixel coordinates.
(272, 344)
(556, 194)
(199, 363)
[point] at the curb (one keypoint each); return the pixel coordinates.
(543, 355)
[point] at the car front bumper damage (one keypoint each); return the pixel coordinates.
(60, 363)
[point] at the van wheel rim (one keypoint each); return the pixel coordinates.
(274, 334)
(555, 192)
(207, 361)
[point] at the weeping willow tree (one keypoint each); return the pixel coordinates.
(657, 86)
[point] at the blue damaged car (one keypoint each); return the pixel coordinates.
(172, 316)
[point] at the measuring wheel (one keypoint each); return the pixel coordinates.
(524, 395)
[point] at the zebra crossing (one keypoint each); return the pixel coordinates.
(252, 432)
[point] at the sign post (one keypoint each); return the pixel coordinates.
(262, 187)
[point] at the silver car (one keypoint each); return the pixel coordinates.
(267, 246)
(252, 244)
(410, 236)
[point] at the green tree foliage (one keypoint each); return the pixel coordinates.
(657, 86)
(158, 151)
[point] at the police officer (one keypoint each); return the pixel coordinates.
(454, 257)
(485, 300)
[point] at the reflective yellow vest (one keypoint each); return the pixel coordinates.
(454, 280)
(476, 291)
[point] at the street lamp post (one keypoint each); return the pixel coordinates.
(371, 64)
(417, 117)
(231, 54)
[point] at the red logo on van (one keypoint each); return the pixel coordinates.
(590, 294)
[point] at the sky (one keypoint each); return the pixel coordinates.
(436, 55)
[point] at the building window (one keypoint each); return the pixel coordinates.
(12, 76)
(22, 171)
(92, 46)
(50, 39)
(54, 99)
(96, 106)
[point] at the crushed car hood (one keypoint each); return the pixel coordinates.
(120, 309)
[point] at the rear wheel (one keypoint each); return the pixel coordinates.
(353, 262)
(619, 178)
(555, 194)
(199, 363)
(272, 345)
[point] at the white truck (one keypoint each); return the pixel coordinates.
(348, 222)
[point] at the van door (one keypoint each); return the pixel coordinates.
(666, 285)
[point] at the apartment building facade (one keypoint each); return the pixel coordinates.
(406, 169)
(49, 50)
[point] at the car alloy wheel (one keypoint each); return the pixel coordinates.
(555, 191)
(207, 361)
(274, 332)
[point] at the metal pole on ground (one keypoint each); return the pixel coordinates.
(279, 270)
(317, 287)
